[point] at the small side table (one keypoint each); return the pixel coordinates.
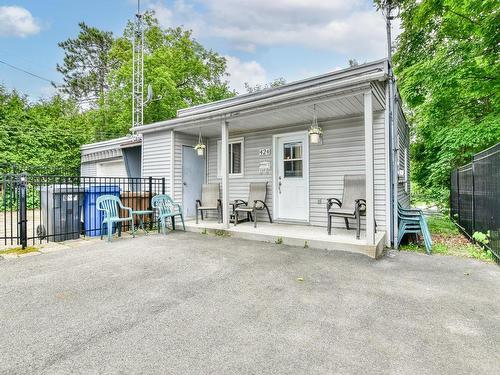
(141, 214)
(232, 215)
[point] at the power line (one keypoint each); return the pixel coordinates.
(31, 74)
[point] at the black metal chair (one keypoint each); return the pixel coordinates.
(352, 205)
(256, 202)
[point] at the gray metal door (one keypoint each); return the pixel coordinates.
(193, 176)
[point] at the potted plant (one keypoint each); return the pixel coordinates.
(200, 148)
(315, 133)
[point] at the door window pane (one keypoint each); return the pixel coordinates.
(292, 168)
(297, 150)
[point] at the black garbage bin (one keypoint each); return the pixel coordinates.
(61, 212)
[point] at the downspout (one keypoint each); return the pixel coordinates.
(393, 132)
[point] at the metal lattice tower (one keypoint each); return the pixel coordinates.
(138, 71)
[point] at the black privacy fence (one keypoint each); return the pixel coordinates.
(475, 198)
(42, 208)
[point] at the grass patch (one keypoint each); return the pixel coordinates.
(447, 240)
(19, 251)
(442, 225)
(222, 233)
(279, 241)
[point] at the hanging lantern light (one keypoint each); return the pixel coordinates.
(315, 132)
(200, 146)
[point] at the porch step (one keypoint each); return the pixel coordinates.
(295, 235)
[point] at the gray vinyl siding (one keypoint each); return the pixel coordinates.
(88, 169)
(156, 156)
(180, 139)
(239, 186)
(404, 144)
(342, 152)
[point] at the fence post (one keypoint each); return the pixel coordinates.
(150, 187)
(458, 198)
(23, 214)
(473, 200)
(163, 185)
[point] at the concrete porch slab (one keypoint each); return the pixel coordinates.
(296, 235)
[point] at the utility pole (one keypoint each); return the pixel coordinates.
(138, 70)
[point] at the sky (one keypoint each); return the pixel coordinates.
(262, 40)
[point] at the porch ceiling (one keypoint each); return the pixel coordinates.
(293, 114)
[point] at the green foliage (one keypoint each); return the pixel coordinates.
(481, 238)
(448, 70)
(87, 63)
(275, 83)
(279, 241)
(222, 233)
(46, 133)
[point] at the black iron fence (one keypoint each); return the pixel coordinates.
(42, 208)
(475, 197)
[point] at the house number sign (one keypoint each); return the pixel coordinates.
(264, 151)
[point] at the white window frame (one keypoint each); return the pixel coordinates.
(231, 141)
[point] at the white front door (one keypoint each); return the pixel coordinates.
(291, 177)
(193, 175)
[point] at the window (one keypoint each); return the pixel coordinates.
(292, 159)
(236, 157)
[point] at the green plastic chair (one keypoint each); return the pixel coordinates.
(167, 208)
(413, 221)
(111, 206)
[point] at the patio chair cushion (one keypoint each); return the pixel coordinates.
(207, 207)
(244, 209)
(348, 212)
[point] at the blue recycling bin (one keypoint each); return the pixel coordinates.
(92, 218)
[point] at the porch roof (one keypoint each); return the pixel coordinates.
(336, 94)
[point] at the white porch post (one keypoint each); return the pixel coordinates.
(172, 165)
(370, 196)
(225, 173)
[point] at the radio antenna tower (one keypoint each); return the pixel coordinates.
(138, 70)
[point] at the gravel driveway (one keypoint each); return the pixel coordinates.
(197, 304)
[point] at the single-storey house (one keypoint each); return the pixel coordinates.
(263, 137)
